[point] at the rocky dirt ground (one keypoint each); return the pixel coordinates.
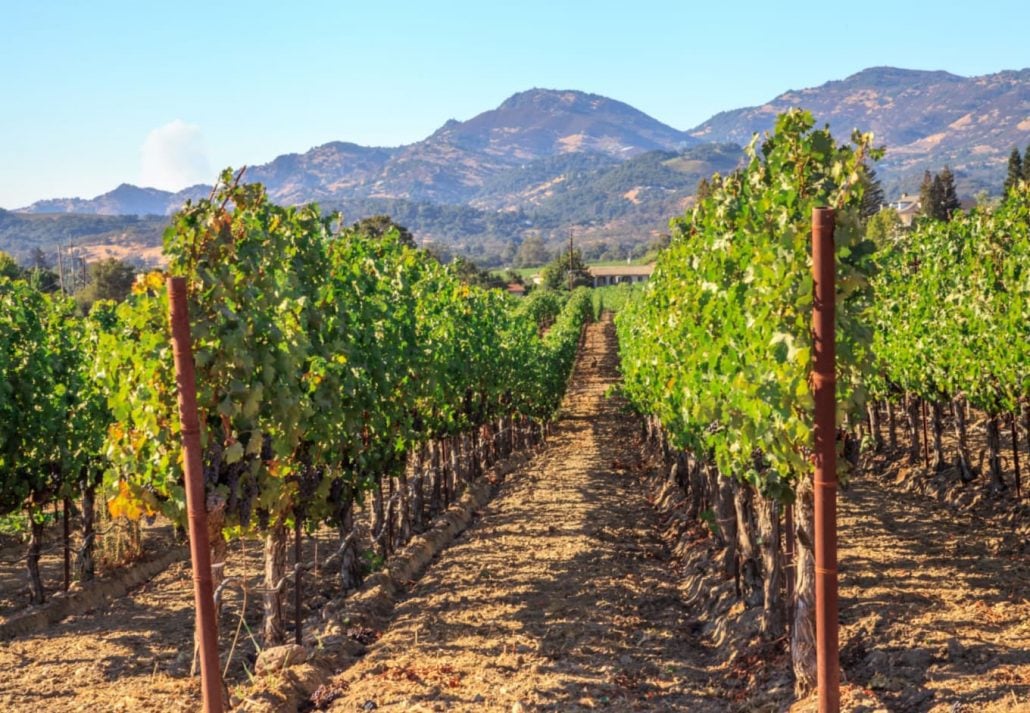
(935, 605)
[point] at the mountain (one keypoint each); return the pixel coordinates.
(126, 199)
(925, 119)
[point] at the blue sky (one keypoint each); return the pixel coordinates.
(98, 93)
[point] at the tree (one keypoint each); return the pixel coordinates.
(556, 274)
(471, 274)
(38, 259)
(109, 279)
(532, 252)
(376, 226)
(937, 195)
(703, 190)
(9, 267)
(884, 226)
(1015, 171)
(928, 195)
(1026, 165)
(949, 204)
(872, 193)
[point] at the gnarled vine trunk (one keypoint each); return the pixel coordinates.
(772, 579)
(802, 640)
(892, 425)
(36, 593)
(726, 524)
(965, 463)
(912, 412)
(350, 565)
(274, 623)
(874, 425)
(994, 453)
(87, 565)
(750, 581)
(937, 422)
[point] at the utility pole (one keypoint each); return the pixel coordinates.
(570, 258)
(60, 270)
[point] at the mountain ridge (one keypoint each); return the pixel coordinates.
(541, 150)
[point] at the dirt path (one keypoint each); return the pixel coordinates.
(935, 615)
(559, 598)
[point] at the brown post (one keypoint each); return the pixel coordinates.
(200, 549)
(824, 382)
(68, 552)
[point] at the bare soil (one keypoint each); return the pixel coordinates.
(935, 605)
(559, 598)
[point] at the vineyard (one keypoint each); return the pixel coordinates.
(420, 494)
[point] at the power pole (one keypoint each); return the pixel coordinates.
(570, 258)
(60, 269)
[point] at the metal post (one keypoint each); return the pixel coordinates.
(824, 383)
(200, 549)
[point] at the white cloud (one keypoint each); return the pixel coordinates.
(174, 156)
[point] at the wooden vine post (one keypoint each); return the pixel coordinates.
(824, 382)
(196, 508)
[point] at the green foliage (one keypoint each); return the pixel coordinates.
(556, 274)
(952, 309)
(109, 279)
(884, 227)
(322, 358)
(376, 226)
(1014, 173)
(718, 343)
(937, 195)
(613, 298)
(41, 397)
(9, 267)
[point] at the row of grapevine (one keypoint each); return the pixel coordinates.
(952, 330)
(716, 350)
(331, 368)
(52, 417)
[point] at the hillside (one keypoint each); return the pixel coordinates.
(545, 161)
(926, 120)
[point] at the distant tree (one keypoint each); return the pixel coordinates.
(1015, 171)
(514, 278)
(885, 226)
(928, 195)
(109, 279)
(556, 274)
(872, 196)
(703, 190)
(9, 267)
(376, 226)
(38, 259)
(1026, 165)
(937, 195)
(532, 252)
(471, 274)
(43, 279)
(949, 204)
